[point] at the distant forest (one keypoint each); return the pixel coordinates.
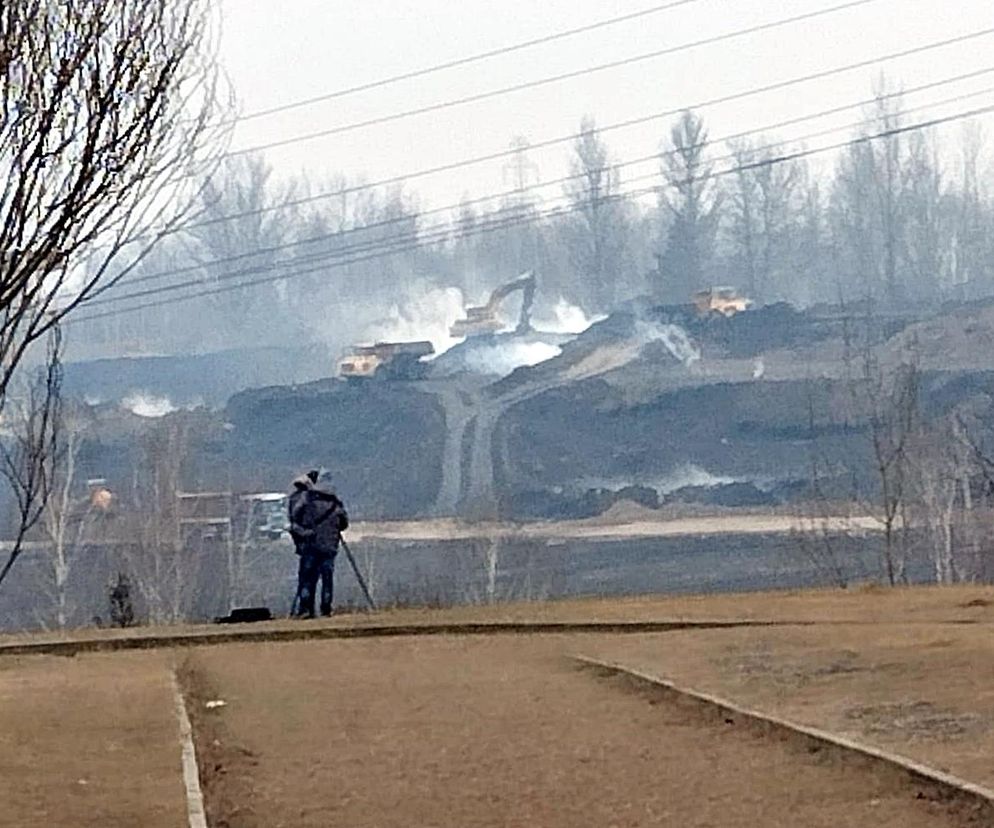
(906, 218)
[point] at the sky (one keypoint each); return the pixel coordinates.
(276, 53)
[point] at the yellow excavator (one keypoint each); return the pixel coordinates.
(483, 320)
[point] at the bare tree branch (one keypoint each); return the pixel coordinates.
(29, 446)
(106, 121)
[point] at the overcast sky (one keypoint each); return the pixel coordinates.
(294, 49)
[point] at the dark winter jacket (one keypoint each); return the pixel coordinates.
(317, 517)
(296, 509)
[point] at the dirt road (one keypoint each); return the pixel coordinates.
(497, 732)
(447, 529)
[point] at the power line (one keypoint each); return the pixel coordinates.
(365, 229)
(444, 229)
(506, 90)
(722, 99)
(527, 219)
(463, 61)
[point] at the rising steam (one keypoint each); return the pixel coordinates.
(674, 337)
(503, 357)
(425, 315)
(147, 405)
(566, 319)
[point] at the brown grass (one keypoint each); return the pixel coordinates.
(485, 731)
(866, 604)
(925, 691)
(90, 743)
(503, 732)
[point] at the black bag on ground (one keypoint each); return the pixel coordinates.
(245, 615)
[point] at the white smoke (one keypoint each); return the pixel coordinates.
(566, 319)
(674, 337)
(503, 357)
(690, 474)
(147, 405)
(686, 475)
(426, 315)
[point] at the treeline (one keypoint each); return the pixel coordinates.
(903, 219)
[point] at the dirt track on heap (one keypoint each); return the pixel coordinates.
(499, 732)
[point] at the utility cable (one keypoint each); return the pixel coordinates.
(531, 218)
(722, 99)
(532, 84)
(443, 231)
(463, 61)
(367, 228)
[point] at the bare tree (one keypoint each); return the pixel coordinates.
(597, 234)
(163, 567)
(763, 200)
(885, 166)
(29, 446)
(868, 205)
(693, 200)
(886, 399)
(106, 125)
(969, 252)
(105, 120)
(955, 476)
(925, 224)
(825, 525)
(66, 517)
(243, 187)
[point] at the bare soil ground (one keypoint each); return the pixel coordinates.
(89, 743)
(498, 732)
(621, 523)
(479, 731)
(924, 691)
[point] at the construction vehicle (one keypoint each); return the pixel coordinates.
(264, 515)
(484, 320)
(386, 360)
(720, 300)
(100, 497)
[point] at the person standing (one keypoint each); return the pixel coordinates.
(317, 520)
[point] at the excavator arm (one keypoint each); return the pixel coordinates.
(484, 320)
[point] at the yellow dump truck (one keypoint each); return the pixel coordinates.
(720, 300)
(386, 360)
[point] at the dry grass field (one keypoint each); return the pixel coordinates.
(488, 730)
(89, 742)
(924, 691)
(496, 732)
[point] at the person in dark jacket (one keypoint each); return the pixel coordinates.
(317, 520)
(297, 506)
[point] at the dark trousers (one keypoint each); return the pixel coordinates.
(314, 565)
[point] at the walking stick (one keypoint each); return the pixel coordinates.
(358, 575)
